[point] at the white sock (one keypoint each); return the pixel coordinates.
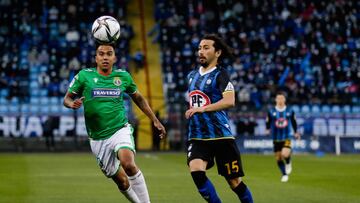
(139, 186)
(131, 195)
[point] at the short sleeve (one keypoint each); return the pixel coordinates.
(223, 82)
(131, 87)
(75, 86)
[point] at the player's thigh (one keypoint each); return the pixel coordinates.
(286, 149)
(278, 155)
(124, 147)
(200, 156)
(285, 152)
(228, 159)
(105, 156)
(106, 151)
(123, 139)
(127, 160)
(278, 146)
(197, 165)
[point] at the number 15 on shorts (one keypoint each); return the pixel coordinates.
(232, 167)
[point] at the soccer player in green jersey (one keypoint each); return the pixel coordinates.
(101, 90)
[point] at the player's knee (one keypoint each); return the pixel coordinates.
(199, 178)
(234, 182)
(129, 167)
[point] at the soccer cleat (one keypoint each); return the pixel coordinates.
(284, 178)
(288, 168)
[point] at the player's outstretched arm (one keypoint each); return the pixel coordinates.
(141, 102)
(72, 103)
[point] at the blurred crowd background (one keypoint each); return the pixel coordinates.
(310, 49)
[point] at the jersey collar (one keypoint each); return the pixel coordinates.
(280, 109)
(201, 69)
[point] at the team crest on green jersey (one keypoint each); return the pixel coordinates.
(117, 81)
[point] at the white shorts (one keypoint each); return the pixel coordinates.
(106, 150)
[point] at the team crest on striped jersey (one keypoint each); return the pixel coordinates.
(117, 81)
(281, 123)
(198, 98)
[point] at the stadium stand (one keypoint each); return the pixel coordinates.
(44, 44)
(310, 49)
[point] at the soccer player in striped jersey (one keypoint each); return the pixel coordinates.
(210, 94)
(100, 90)
(279, 121)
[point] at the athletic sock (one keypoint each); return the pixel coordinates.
(205, 187)
(281, 166)
(287, 160)
(130, 195)
(243, 193)
(138, 184)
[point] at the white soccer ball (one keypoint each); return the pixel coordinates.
(105, 30)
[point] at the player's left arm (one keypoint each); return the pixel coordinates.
(294, 125)
(141, 102)
(228, 100)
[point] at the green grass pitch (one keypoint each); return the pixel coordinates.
(75, 178)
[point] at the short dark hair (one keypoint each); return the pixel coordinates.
(281, 93)
(219, 44)
(109, 44)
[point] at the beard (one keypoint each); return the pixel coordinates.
(204, 63)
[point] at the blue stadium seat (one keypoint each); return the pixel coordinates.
(43, 68)
(44, 100)
(305, 109)
(4, 93)
(315, 109)
(295, 108)
(14, 108)
(335, 109)
(356, 109)
(14, 100)
(34, 85)
(325, 108)
(347, 109)
(66, 110)
(34, 92)
(56, 109)
(43, 92)
(34, 100)
(44, 109)
(54, 100)
(34, 109)
(33, 76)
(25, 108)
(4, 109)
(3, 100)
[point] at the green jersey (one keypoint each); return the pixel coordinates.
(104, 108)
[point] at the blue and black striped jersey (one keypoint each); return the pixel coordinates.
(205, 89)
(280, 123)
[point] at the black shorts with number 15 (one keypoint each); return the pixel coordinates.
(225, 153)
